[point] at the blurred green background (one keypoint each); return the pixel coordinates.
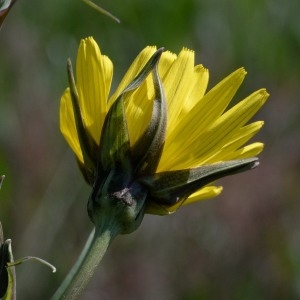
(245, 244)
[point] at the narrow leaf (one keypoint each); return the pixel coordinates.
(26, 258)
(148, 149)
(169, 187)
(101, 10)
(11, 287)
(87, 144)
(149, 66)
(7, 276)
(114, 144)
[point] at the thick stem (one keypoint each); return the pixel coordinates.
(86, 265)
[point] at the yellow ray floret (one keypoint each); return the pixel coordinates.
(201, 129)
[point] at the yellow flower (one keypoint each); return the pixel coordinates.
(197, 134)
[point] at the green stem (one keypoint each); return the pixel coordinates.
(86, 265)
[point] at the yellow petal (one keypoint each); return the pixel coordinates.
(207, 192)
(177, 85)
(67, 124)
(139, 103)
(180, 144)
(226, 126)
(198, 88)
(243, 134)
(240, 138)
(248, 151)
(94, 75)
(133, 70)
(165, 63)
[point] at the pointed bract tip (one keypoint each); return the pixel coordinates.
(161, 50)
(255, 164)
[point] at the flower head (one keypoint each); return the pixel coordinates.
(160, 136)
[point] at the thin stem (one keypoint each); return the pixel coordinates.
(101, 10)
(86, 265)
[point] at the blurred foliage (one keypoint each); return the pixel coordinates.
(243, 245)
